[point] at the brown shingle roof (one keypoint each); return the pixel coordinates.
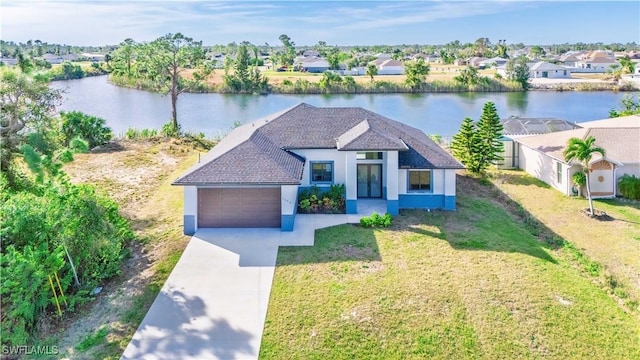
(263, 152)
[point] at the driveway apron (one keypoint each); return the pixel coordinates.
(214, 303)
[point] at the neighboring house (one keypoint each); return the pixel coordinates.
(517, 127)
(571, 57)
(310, 53)
(543, 69)
(312, 64)
(595, 65)
(493, 62)
(52, 59)
(252, 178)
(389, 66)
(542, 155)
(475, 61)
(93, 56)
(9, 61)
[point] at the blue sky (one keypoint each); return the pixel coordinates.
(77, 22)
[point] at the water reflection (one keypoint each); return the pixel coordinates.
(517, 101)
(215, 114)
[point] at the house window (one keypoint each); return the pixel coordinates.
(559, 172)
(419, 180)
(377, 155)
(322, 172)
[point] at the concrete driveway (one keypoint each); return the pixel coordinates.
(214, 303)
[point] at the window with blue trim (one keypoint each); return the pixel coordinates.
(419, 180)
(322, 172)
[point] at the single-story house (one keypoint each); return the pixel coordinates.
(516, 127)
(252, 178)
(594, 65)
(543, 69)
(542, 155)
(389, 66)
(475, 61)
(312, 64)
(493, 62)
(52, 59)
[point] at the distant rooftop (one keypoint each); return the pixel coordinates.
(534, 126)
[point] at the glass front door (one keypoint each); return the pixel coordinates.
(369, 180)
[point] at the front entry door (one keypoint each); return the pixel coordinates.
(369, 180)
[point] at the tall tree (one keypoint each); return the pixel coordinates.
(628, 65)
(583, 151)
(123, 57)
(416, 73)
(372, 71)
(464, 145)
(468, 76)
(165, 59)
(489, 132)
(289, 51)
(27, 103)
(629, 107)
(518, 71)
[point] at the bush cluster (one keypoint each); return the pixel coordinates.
(376, 220)
(315, 200)
(629, 186)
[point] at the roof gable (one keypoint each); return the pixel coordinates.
(263, 152)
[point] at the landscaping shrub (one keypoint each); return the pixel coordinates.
(49, 230)
(315, 200)
(376, 220)
(90, 128)
(629, 186)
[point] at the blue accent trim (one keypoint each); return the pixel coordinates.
(287, 222)
(427, 201)
(450, 203)
(384, 192)
(352, 206)
(189, 224)
(393, 207)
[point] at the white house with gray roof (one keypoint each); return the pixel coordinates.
(252, 178)
(542, 155)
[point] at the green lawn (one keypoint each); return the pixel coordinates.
(475, 283)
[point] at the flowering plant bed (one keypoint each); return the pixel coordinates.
(317, 201)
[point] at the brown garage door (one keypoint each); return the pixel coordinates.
(239, 207)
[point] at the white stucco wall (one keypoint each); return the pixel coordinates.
(338, 158)
(450, 182)
(351, 175)
(597, 186)
(443, 181)
(190, 200)
(288, 195)
(391, 166)
(543, 167)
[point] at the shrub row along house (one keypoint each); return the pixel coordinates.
(252, 178)
(542, 156)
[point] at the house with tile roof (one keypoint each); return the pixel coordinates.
(542, 155)
(517, 127)
(252, 178)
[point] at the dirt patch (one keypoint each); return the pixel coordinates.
(135, 174)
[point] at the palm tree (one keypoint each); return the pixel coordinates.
(372, 71)
(582, 151)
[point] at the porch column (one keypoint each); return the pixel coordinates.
(288, 205)
(391, 172)
(190, 214)
(351, 182)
